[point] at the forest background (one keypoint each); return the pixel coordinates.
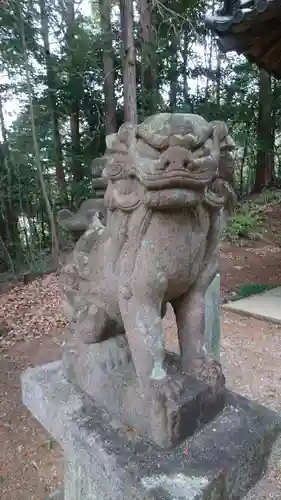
(66, 69)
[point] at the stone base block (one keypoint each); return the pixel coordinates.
(106, 460)
(107, 374)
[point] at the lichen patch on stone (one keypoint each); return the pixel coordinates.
(178, 486)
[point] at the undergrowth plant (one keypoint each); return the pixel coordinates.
(242, 225)
(268, 196)
(249, 289)
(247, 221)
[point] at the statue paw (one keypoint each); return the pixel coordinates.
(169, 389)
(209, 371)
(90, 322)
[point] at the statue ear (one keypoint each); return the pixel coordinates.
(220, 127)
(227, 167)
(114, 144)
(127, 134)
(227, 144)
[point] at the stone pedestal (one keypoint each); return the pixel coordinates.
(107, 374)
(106, 460)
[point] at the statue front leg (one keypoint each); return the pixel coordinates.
(144, 331)
(142, 318)
(143, 325)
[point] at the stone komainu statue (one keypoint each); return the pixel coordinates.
(169, 186)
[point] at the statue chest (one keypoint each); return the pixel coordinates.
(171, 250)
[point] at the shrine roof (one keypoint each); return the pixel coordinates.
(252, 28)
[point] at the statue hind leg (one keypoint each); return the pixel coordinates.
(190, 318)
(92, 324)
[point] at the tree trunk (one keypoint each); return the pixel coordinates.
(11, 218)
(173, 72)
(75, 89)
(108, 66)
(148, 59)
(209, 71)
(184, 67)
(6, 260)
(274, 107)
(245, 152)
(218, 79)
(129, 69)
(52, 222)
(51, 83)
(209, 68)
(265, 140)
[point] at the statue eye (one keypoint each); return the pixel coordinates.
(167, 163)
(185, 163)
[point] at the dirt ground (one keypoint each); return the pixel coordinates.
(253, 263)
(31, 464)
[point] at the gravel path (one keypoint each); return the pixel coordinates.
(251, 357)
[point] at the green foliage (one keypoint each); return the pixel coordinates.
(268, 196)
(242, 225)
(252, 289)
(185, 60)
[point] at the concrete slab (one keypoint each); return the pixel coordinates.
(266, 305)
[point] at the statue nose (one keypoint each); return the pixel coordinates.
(175, 161)
(173, 164)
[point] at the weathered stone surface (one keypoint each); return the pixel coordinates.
(82, 220)
(221, 462)
(79, 481)
(168, 189)
(212, 318)
(106, 373)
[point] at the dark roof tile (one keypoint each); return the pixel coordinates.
(252, 28)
